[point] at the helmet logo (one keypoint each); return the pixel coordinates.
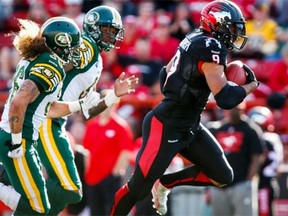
(92, 18)
(63, 40)
(220, 15)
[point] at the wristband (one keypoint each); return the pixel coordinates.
(111, 98)
(74, 106)
(16, 138)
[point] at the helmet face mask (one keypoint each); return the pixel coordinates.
(104, 25)
(224, 20)
(62, 37)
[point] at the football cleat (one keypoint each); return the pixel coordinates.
(160, 197)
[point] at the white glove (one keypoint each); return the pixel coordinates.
(90, 100)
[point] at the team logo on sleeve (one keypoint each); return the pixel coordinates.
(63, 39)
(48, 73)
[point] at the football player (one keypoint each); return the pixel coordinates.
(33, 97)
(195, 71)
(102, 31)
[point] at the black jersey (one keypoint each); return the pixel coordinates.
(185, 89)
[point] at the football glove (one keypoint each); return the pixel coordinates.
(90, 100)
(15, 150)
(250, 75)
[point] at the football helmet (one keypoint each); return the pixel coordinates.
(62, 36)
(262, 116)
(104, 25)
(224, 20)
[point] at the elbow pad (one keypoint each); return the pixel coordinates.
(230, 96)
(162, 77)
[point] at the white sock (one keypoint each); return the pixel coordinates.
(9, 196)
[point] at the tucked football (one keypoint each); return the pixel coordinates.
(234, 72)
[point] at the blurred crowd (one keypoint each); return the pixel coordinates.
(153, 30)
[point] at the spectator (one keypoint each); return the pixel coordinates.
(146, 18)
(262, 33)
(182, 22)
(6, 8)
(164, 45)
(272, 158)
(149, 67)
(277, 10)
(278, 81)
(240, 140)
(109, 140)
(131, 36)
(54, 7)
(38, 12)
(73, 10)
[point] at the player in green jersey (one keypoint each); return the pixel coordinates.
(102, 31)
(33, 97)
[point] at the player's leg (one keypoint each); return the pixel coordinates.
(211, 166)
(3, 176)
(28, 195)
(63, 183)
(152, 160)
(201, 147)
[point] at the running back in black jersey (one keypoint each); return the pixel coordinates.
(185, 84)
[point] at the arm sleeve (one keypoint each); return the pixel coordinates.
(46, 76)
(230, 96)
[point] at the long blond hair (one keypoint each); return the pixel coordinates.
(28, 41)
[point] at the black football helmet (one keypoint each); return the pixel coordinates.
(108, 17)
(62, 36)
(224, 20)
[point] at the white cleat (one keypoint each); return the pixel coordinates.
(160, 197)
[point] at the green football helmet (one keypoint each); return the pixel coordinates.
(107, 17)
(62, 36)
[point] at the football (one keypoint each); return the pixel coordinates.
(234, 72)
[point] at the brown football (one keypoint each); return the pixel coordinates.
(234, 72)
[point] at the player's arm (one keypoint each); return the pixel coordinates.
(26, 94)
(216, 78)
(59, 109)
(227, 96)
(122, 86)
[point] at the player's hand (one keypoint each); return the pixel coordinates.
(250, 75)
(90, 100)
(15, 150)
(125, 86)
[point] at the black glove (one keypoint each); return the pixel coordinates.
(250, 75)
(15, 150)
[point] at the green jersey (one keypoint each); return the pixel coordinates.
(80, 80)
(48, 75)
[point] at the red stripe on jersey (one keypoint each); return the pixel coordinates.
(200, 63)
(201, 177)
(118, 196)
(152, 146)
